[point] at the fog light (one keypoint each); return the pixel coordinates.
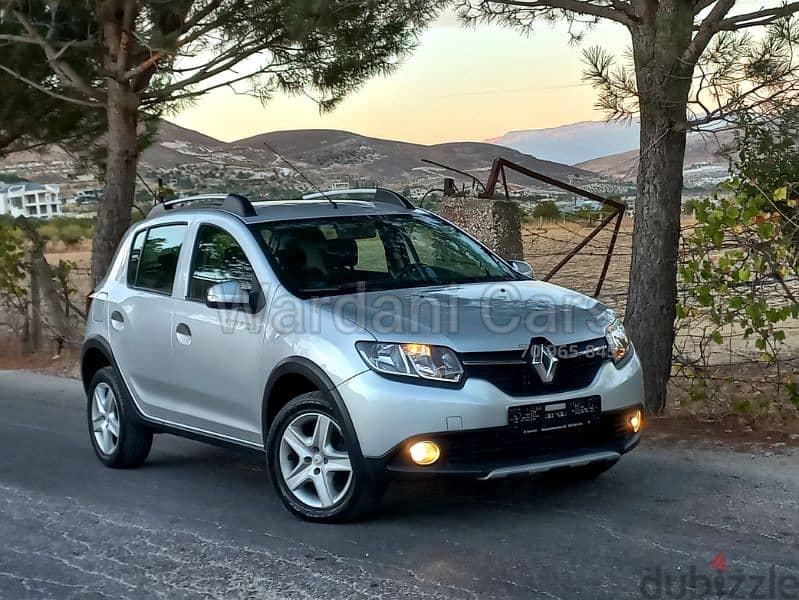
(636, 420)
(425, 453)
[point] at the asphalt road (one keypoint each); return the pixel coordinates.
(198, 521)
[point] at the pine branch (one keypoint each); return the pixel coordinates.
(758, 18)
(198, 32)
(49, 92)
(620, 12)
(61, 68)
(707, 29)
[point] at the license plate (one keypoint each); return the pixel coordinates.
(575, 412)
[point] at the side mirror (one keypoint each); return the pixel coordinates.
(522, 267)
(229, 295)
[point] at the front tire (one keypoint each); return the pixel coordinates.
(314, 467)
(118, 440)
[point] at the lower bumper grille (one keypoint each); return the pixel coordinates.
(502, 444)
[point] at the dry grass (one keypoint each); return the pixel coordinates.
(13, 356)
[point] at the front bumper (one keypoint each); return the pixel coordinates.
(505, 451)
(386, 413)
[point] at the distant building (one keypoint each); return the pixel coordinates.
(340, 185)
(86, 196)
(29, 200)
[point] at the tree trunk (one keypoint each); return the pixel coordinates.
(113, 215)
(663, 85)
(36, 307)
(651, 301)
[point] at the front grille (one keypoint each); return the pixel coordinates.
(512, 373)
(509, 443)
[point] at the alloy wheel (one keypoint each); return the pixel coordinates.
(314, 462)
(105, 418)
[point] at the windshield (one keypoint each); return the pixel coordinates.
(314, 257)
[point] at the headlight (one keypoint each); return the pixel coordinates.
(618, 342)
(414, 360)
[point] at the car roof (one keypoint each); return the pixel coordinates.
(305, 209)
(337, 203)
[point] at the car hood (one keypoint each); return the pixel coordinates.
(477, 317)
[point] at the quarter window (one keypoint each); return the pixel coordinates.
(218, 258)
(158, 259)
(135, 257)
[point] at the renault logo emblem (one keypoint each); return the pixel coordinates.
(544, 361)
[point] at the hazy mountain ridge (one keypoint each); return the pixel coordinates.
(575, 142)
(610, 150)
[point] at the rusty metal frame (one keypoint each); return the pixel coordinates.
(497, 173)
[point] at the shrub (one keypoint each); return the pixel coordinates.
(72, 234)
(546, 210)
(49, 232)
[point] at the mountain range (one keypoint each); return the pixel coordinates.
(191, 161)
(188, 160)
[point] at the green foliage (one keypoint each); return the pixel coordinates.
(325, 49)
(768, 165)
(30, 116)
(742, 407)
(546, 210)
(793, 393)
(66, 229)
(62, 275)
(12, 177)
(13, 268)
(741, 260)
(689, 206)
(72, 234)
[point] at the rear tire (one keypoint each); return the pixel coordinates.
(119, 441)
(317, 471)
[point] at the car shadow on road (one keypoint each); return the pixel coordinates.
(448, 498)
(243, 475)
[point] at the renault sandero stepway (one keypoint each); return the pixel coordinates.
(352, 338)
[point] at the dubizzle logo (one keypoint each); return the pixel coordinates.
(719, 562)
(721, 582)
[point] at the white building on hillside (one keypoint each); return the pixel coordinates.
(29, 200)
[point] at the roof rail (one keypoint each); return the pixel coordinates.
(381, 195)
(232, 203)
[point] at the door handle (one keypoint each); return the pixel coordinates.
(183, 333)
(117, 320)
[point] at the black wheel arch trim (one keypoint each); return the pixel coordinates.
(102, 345)
(96, 343)
(299, 365)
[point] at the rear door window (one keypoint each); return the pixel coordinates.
(158, 260)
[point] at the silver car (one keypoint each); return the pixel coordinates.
(352, 338)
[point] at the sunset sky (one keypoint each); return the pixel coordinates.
(460, 84)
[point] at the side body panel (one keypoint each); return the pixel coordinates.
(217, 353)
(139, 326)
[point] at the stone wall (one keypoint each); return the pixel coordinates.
(496, 223)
